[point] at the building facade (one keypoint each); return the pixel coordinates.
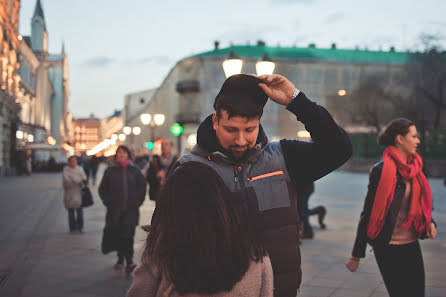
(9, 84)
(187, 94)
(87, 133)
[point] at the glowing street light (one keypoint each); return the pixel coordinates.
(114, 137)
(136, 130)
(342, 92)
(127, 130)
(121, 137)
(233, 65)
(159, 119)
(265, 66)
(145, 118)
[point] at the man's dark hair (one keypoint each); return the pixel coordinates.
(395, 127)
(204, 237)
(241, 95)
(124, 148)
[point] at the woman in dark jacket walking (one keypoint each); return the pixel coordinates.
(122, 191)
(397, 212)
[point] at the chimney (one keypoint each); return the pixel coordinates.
(261, 43)
(392, 49)
(333, 45)
(312, 45)
(216, 44)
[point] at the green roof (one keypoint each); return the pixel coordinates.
(312, 54)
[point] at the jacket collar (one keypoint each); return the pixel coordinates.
(208, 145)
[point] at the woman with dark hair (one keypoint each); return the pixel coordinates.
(205, 242)
(73, 177)
(397, 212)
(122, 191)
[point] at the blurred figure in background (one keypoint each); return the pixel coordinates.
(303, 195)
(73, 178)
(122, 191)
(93, 166)
(159, 167)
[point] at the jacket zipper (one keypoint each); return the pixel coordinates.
(250, 179)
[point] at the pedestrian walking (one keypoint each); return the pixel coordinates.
(263, 173)
(159, 167)
(303, 195)
(397, 212)
(28, 164)
(93, 166)
(205, 243)
(122, 190)
(73, 178)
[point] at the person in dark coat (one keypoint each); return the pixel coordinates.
(303, 195)
(159, 167)
(122, 191)
(94, 165)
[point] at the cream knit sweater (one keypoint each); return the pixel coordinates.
(257, 282)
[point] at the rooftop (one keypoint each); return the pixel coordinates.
(312, 53)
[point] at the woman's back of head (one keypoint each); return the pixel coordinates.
(399, 126)
(203, 237)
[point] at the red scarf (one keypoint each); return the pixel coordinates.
(420, 209)
(124, 164)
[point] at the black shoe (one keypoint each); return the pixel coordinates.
(307, 235)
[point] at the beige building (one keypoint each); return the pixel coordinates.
(87, 133)
(187, 93)
(9, 84)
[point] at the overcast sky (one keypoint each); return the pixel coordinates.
(118, 47)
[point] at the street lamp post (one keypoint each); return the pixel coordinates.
(233, 65)
(152, 121)
(265, 66)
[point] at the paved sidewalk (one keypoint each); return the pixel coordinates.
(48, 261)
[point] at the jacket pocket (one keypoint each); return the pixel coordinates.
(271, 190)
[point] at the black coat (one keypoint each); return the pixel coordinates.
(385, 235)
(154, 182)
(116, 199)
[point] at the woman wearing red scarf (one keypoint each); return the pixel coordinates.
(397, 212)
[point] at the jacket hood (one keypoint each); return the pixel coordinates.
(208, 144)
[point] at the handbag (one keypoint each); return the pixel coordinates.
(87, 197)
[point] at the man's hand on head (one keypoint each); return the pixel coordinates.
(278, 88)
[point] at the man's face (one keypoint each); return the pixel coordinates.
(237, 134)
(166, 147)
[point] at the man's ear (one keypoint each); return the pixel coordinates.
(214, 120)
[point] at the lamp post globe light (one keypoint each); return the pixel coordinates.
(159, 119)
(265, 66)
(233, 65)
(136, 130)
(121, 137)
(145, 118)
(127, 130)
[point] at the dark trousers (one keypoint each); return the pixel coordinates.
(125, 242)
(304, 213)
(76, 218)
(402, 269)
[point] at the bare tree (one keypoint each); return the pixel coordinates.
(429, 78)
(367, 105)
